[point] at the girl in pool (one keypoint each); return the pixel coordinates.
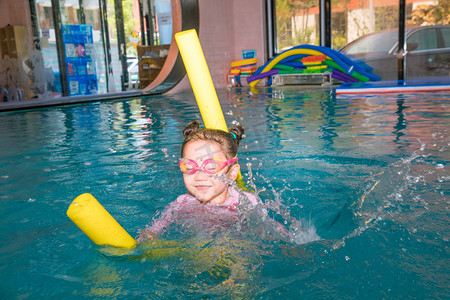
(209, 165)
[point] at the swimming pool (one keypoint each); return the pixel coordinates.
(367, 174)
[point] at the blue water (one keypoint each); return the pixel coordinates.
(367, 175)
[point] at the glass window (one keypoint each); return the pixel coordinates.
(339, 25)
(91, 44)
(446, 36)
(425, 39)
(367, 31)
(351, 20)
(376, 42)
(296, 23)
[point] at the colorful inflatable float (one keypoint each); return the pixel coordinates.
(308, 59)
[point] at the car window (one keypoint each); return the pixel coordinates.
(378, 42)
(426, 39)
(446, 34)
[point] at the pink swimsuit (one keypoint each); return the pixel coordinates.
(187, 207)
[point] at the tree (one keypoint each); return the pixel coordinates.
(426, 14)
(129, 22)
(288, 13)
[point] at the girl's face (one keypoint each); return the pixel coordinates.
(205, 187)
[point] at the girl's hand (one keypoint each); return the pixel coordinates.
(145, 235)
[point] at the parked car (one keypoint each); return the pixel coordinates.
(428, 52)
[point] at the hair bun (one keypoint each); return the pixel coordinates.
(238, 131)
(190, 128)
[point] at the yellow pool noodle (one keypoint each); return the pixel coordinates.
(201, 82)
(93, 219)
(200, 78)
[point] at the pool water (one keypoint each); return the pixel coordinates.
(361, 183)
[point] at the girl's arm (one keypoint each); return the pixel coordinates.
(256, 201)
(146, 234)
(160, 222)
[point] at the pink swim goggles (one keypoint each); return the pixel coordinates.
(209, 166)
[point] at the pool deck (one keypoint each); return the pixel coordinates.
(38, 103)
(407, 86)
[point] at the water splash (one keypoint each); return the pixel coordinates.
(276, 217)
(400, 192)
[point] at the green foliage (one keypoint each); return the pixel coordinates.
(283, 23)
(129, 22)
(426, 14)
(339, 40)
(386, 17)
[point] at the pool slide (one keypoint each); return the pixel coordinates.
(185, 15)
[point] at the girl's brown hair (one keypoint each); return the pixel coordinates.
(228, 141)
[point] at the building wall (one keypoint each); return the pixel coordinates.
(16, 12)
(227, 28)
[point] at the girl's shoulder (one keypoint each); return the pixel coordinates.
(184, 198)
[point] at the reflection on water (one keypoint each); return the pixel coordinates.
(366, 174)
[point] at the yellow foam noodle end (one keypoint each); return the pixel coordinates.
(312, 63)
(200, 78)
(93, 219)
(316, 67)
(235, 72)
(243, 62)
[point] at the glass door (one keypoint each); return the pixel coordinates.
(44, 67)
(90, 47)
